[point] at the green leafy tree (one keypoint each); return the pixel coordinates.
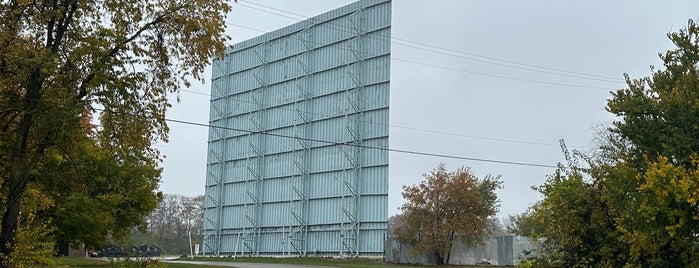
(99, 194)
(638, 208)
(655, 144)
(572, 223)
(62, 60)
(34, 246)
(446, 207)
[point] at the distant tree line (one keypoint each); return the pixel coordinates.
(171, 223)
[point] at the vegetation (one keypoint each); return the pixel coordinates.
(66, 65)
(348, 263)
(446, 207)
(79, 262)
(90, 262)
(331, 262)
(635, 204)
(171, 223)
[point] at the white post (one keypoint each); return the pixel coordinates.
(191, 254)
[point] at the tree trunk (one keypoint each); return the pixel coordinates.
(20, 165)
(440, 259)
(63, 248)
(10, 218)
(17, 183)
(450, 243)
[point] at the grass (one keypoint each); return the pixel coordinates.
(80, 262)
(348, 263)
(99, 262)
(344, 263)
(185, 265)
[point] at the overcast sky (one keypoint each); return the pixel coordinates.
(492, 80)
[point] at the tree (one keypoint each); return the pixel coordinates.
(97, 194)
(62, 61)
(572, 222)
(642, 201)
(445, 207)
(171, 223)
(656, 146)
(395, 222)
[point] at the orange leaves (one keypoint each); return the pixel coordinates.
(447, 206)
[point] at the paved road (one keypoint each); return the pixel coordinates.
(246, 264)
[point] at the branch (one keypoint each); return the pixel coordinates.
(64, 22)
(52, 22)
(82, 90)
(11, 118)
(75, 165)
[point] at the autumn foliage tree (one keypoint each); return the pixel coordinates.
(446, 207)
(66, 62)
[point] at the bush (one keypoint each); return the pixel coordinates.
(138, 263)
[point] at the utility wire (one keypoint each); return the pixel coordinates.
(106, 110)
(393, 126)
(441, 50)
(498, 76)
(403, 127)
(451, 68)
(365, 146)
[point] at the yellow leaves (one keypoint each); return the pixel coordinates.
(35, 200)
(33, 248)
(666, 212)
(665, 180)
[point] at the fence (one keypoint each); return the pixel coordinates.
(501, 250)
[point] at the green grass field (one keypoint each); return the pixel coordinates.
(343, 263)
(92, 262)
(348, 263)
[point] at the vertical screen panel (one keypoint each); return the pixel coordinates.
(299, 164)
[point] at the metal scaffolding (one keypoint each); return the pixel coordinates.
(353, 149)
(298, 232)
(304, 176)
(256, 161)
(215, 169)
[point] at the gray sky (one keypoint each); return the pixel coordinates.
(469, 103)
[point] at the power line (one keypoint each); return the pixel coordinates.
(495, 161)
(453, 69)
(498, 76)
(406, 128)
(411, 128)
(460, 54)
(365, 146)
(333, 142)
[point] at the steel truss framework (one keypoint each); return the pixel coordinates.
(302, 178)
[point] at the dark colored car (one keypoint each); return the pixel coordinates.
(144, 250)
(110, 251)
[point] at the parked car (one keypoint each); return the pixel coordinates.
(144, 250)
(109, 251)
